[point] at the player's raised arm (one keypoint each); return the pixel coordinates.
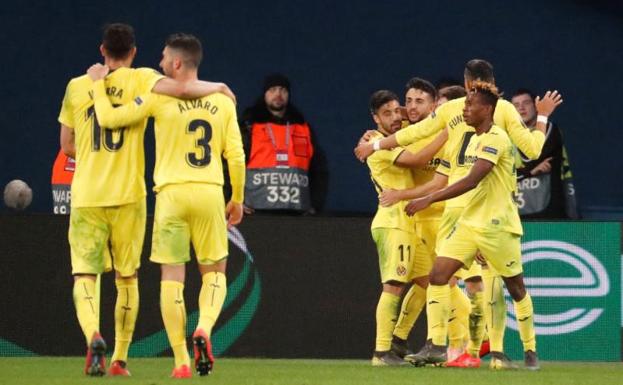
(425, 128)
(531, 142)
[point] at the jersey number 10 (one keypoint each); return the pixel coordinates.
(110, 143)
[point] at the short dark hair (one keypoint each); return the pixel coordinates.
(379, 98)
(524, 91)
(479, 69)
(190, 47)
(488, 92)
(118, 40)
(448, 81)
(422, 85)
(452, 92)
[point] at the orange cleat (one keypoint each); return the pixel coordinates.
(464, 361)
(182, 372)
(485, 348)
(118, 368)
(95, 365)
(202, 349)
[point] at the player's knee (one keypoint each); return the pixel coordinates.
(516, 288)
(118, 275)
(394, 287)
(438, 277)
(173, 272)
(421, 281)
(473, 285)
(88, 276)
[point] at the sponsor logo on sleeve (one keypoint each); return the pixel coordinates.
(490, 150)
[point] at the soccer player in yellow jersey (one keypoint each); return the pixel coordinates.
(420, 101)
(191, 137)
(108, 192)
(400, 253)
(489, 222)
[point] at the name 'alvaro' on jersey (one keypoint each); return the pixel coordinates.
(191, 137)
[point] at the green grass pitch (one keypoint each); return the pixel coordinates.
(155, 371)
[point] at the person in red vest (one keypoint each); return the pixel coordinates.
(62, 174)
(279, 150)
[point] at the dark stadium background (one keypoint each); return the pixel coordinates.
(336, 54)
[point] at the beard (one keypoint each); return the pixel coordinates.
(277, 107)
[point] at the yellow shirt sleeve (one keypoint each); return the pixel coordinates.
(491, 148)
(66, 116)
(389, 156)
(434, 123)
(148, 77)
(530, 142)
(234, 154)
(444, 166)
(126, 115)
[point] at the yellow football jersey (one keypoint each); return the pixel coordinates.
(451, 114)
(191, 137)
(110, 163)
(491, 204)
(425, 175)
(386, 175)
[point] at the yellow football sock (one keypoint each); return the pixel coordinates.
(437, 310)
(174, 317)
(211, 298)
(386, 315)
(412, 305)
(86, 307)
(494, 310)
(126, 311)
(525, 322)
(459, 317)
(476, 324)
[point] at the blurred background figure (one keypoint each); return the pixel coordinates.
(279, 151)
(545, 187)
(62, 174)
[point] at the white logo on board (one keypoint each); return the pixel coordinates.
(593, 281)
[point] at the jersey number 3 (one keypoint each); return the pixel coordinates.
(203, 143)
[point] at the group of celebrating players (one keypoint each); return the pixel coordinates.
(446, 183)
(460, 152)
(195, 126)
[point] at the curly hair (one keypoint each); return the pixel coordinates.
(489, 92)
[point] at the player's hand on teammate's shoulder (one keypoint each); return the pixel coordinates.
(480, 259)
(363, 151)
(98, 71)
(367, 136)
(364, 147)
(228, 92)
(548, 103)
(418, 204)
(233, 213)
(389, 197)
